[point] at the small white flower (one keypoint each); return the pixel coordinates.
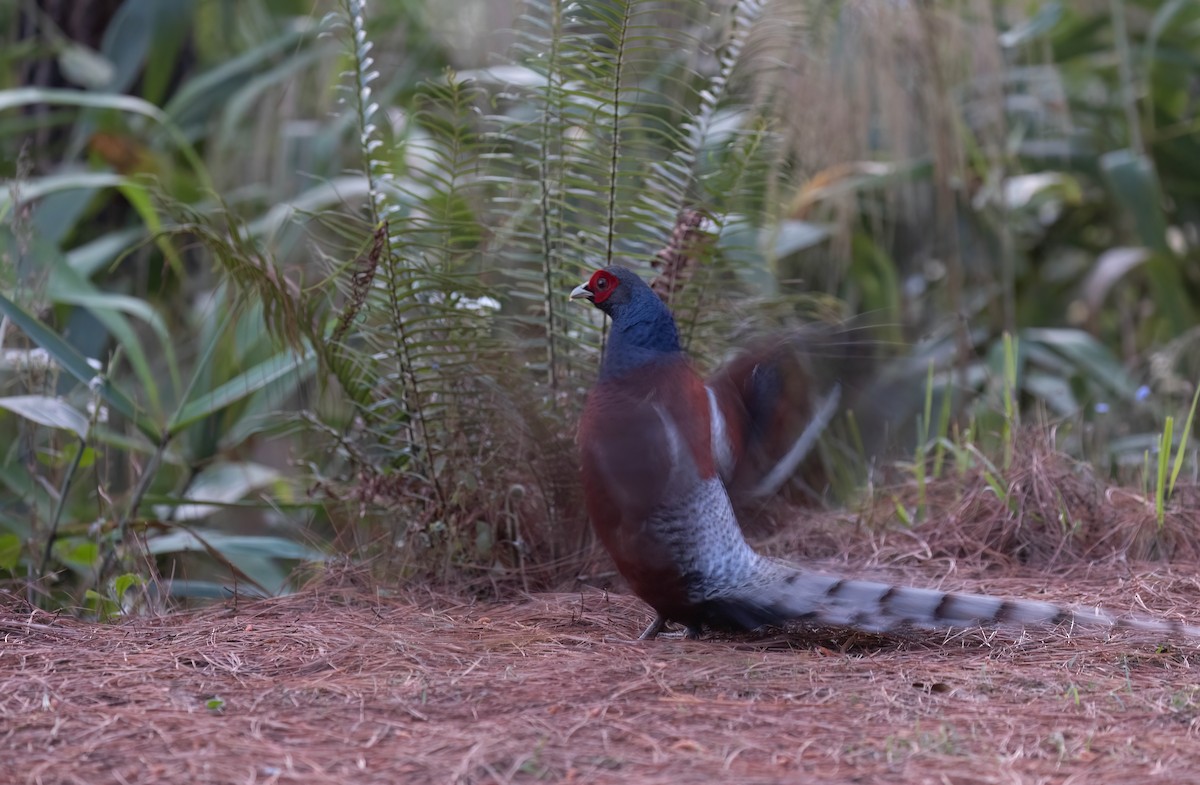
(100, 413)
(479, 304)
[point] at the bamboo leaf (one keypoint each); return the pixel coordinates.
(51, 412)
(30, 190)
(29, 96)
(1048, 15)
(1133, 183)
(78, 366)
(241, 387)
(37, 503)
(220, 484)
(1086, 353)
(107, 309)
(88, 258)
(85, 67)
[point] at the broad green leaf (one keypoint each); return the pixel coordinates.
(31, 96)
(37, 502)
(85, 67)
(122, 584)
(1054, 390)
(1047, 16)
(56, 215)
(87, 459)
(90, 257)
(1080, 37)
(243, 386)
(16, 520)
(1086, 353)
(135, 442)
(181, 540)
(127, 40)
(1133, 183)
(1110, 267)
(78, 553)
(71, 290)
(68, 287)
(51, 412)
(220, 484)
(37, 188)
(259, 414)
(172, 27)
(129, 340)
(78, 366)
(256, 557)
(1034, 190)
(793, 236)
(195, 99)
(10, 552)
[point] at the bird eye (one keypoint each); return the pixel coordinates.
(602, 283)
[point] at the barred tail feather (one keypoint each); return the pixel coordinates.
(800, 595)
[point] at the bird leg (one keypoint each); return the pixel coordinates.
(656, 626)
(660, 623)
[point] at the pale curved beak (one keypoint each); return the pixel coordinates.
(581, 292)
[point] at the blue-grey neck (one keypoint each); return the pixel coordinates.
(643, 332)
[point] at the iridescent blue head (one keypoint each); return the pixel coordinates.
(643, 330)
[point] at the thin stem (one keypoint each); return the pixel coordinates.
(1125, 71)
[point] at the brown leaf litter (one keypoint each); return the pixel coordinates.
(336, 684)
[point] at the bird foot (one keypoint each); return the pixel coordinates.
(659, 624)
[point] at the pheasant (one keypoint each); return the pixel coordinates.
(658, 446)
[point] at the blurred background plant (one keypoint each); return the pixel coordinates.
(284, 281)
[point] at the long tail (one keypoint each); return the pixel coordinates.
(793, 594)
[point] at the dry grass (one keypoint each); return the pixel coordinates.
(1057, 512)
(339, 684)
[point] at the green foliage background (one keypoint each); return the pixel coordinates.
(284, 280)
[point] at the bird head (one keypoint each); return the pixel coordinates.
(643, 329)
(610, 288)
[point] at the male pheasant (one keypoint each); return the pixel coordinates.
(657, 448)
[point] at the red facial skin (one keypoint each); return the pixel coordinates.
(601, 285)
